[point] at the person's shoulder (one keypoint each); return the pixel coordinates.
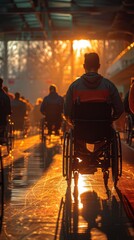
(60, 96)
(108, 82)
(106, 79)
(75, 82)
(46, 97)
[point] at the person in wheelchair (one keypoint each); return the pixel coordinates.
(52, 108)
(5, 111)
(91, 87)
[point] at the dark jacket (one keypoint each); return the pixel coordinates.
(52, 106)
(19, 109)
(93, 87)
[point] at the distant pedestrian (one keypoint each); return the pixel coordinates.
(11, 95)
(52, 108)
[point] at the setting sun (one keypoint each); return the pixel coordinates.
(79, 45)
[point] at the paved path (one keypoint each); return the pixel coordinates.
(38, 204)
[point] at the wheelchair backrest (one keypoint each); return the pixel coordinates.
(53, 111)
(92, 120)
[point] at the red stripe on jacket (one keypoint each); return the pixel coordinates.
(91, 95)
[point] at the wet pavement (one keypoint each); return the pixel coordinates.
(39, 205)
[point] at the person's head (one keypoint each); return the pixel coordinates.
(1, 82)
(91, 62)
(17, 95)
(52, 88)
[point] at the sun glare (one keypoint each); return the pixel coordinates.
(80, 45)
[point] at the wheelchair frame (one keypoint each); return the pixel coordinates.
(112, 157)
(44, 132)
(107, 156)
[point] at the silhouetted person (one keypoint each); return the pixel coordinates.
(5, 109)
(52, 108)
(93, 87)
(18, 112)
(11, 95)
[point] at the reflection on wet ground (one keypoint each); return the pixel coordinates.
(94, 213)
(39, 205)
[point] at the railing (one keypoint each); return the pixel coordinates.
(124, 60)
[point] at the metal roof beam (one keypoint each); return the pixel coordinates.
(39, 17)
(69, 10)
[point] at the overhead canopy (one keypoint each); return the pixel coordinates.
(66, 19)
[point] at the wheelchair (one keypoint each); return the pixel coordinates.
(45, 136)
(43, 130)
(129, 128)
(91, 122)
(7, 132)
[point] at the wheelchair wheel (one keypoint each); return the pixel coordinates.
(67, 214)
(128, 129)
(131, 131)
(68, 156)
(10, 136)
(65, 153)
(106, 177)
(1, 191)
(114, 158)
(43, 130)
(119, 154)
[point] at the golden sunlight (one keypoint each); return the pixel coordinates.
(80, 45)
